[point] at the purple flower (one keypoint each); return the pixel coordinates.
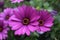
(6, 14)
(1, 4)
(24, 21)
(3, 30)
(53, 12)
(16, 1)
(45, 21)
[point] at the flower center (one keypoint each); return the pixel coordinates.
(41, 22)
(1, 29)
(7, 17)
(25, 21)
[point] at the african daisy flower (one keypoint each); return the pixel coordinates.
(6, 14)
(45, 21)
(16, 1)
(53, 13)
(1, 6)
(24, 21)
(3, 30)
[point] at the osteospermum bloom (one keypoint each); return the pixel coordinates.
(24, 21)
(6, 14)
(53, 13)
(45, 21)
(3, 30)
(1, 4)
(16, 1)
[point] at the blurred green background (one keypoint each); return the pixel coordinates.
(49, 5)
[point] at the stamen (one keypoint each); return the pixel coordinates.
(1, 29)
(25, 21)
(7, 17)
(41, 22)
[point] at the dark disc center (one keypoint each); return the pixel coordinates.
(25, 21)
(41, 22)
(1, 29)
(7, 17)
